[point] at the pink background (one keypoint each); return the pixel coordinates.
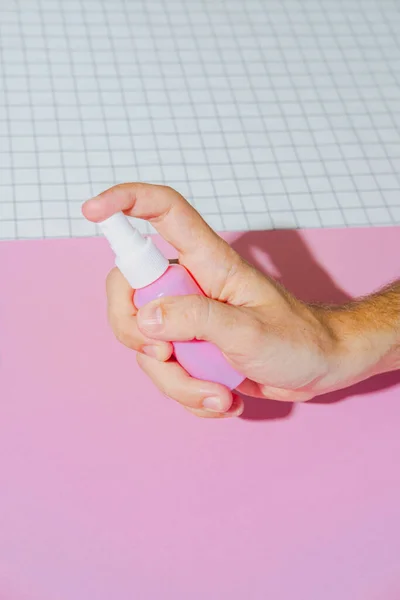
(110, 491)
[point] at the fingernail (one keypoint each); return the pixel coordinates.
(151, 317)
(213, 403)
(234, 413)
(236, 409)
(152, 351)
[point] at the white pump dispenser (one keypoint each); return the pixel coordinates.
(137, 257)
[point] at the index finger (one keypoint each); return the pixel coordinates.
(200, 248)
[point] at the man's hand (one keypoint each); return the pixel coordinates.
(286, 349)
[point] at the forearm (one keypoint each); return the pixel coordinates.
(368, 333)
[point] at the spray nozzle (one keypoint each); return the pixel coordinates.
(138, 259)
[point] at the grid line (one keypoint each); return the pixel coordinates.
(263, 113)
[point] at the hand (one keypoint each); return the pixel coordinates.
(286, 349)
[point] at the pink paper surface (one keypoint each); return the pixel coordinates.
(110, 491)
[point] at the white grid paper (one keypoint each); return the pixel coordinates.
(263, 113)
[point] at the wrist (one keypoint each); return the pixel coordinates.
(364, 345)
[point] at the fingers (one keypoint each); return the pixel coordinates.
(121, 315)
(285, 395)
(173, 217)
(184, 318)
(202, 397)
(268, 392)
(235, 410)
(177, 222)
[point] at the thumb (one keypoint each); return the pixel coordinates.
(184, 318)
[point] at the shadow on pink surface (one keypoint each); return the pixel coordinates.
(291, 262)
(269, 410)
(109, 491)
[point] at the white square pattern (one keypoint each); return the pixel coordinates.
(272, 114)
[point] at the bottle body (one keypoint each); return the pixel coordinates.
(201, 359)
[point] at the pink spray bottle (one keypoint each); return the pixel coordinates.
(152, 276)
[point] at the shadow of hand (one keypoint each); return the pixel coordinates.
(294, 266)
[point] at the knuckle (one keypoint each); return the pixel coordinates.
(197, 311)
(174, 195)
(168, 189)
(190, 310)
(124, 336)
(144, 190)
(258, 332)
(253, 337)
